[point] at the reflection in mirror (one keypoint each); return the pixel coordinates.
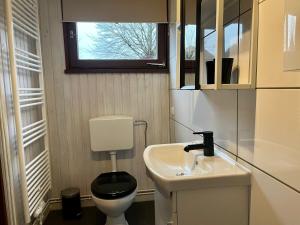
(208, 17)
(236, 41)
(188, 59)
(230, 53)
(230, 42)
(208, 41)
(244, 52)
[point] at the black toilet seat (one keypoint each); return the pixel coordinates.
(113, 185)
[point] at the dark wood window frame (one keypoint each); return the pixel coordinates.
(190, 66)
(74, 65)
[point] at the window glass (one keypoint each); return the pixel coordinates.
(117, 41)
(190, 42)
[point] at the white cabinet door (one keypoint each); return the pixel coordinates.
(213, 206)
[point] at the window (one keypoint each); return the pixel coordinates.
(115, 47)
(190, 42)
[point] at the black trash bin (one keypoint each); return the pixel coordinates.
(71, 206)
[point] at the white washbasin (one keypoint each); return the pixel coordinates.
(172, 169)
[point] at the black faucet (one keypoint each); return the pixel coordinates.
(207, 146)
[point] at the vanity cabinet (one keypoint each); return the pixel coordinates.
(226, 205)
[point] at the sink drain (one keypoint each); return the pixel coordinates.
(180, 174)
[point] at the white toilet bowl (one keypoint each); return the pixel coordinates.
(114, 209)
(113, 193)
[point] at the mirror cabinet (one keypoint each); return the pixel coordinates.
(218, 44)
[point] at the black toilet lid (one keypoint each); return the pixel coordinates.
(113, 185)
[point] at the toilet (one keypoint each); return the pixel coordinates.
(113, 192)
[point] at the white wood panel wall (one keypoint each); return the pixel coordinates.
(73, 99)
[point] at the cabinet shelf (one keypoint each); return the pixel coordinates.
(208, 86)
(225, 86)
(235, 86)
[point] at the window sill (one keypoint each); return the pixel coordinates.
(119, 70)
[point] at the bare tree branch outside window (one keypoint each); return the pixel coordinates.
(190, 42)
(125, 41)
(119, 41)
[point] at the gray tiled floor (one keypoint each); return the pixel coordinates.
(140, 213)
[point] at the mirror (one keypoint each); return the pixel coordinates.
(217, 53)
(231, 54)
(208, 41)
(190, 44)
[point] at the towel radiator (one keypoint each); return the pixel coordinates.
(22, 21)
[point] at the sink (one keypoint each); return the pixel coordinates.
(190, 188)
(173, 169)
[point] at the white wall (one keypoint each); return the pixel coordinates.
(260, 128)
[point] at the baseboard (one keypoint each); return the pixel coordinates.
(86, 200)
